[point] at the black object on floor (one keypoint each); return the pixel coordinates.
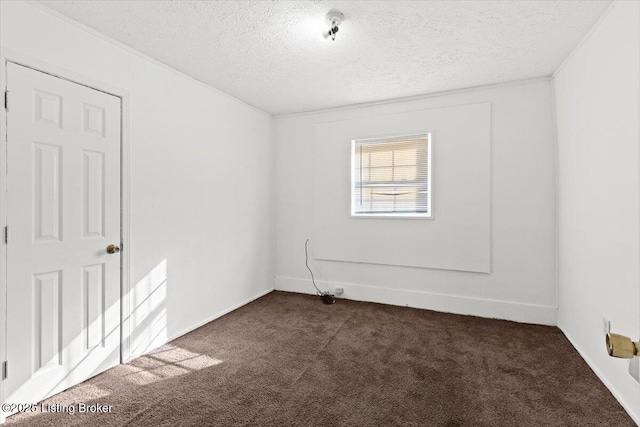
(327, 299)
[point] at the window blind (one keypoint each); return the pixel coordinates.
(391, 177)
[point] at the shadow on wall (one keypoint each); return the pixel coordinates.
(149, 310)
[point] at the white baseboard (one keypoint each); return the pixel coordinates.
(218, 315)
(633, 412)
(517, 312)
(204, 322)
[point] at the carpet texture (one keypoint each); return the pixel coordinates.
(287, 359)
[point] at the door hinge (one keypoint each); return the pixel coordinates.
(6, 100)
(6, 235)
(5, 370)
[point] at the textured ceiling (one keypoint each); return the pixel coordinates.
(271, 54)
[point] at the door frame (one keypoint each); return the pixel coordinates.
(6, 55)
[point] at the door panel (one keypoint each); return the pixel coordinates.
(93, 194)
(47, 215)
(47, 328)
(63, 210)
(93, 298)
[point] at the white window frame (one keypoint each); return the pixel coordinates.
(430, 175)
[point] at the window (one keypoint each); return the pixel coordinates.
(391, 177)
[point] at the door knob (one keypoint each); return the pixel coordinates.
(113, 249)
(621, 346)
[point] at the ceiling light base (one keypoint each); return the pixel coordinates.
(334, 18)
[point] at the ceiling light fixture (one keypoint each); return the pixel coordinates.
(334, 19)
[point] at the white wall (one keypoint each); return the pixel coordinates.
(456, 238)
(522, 282)
(202, 210)
(597, 95)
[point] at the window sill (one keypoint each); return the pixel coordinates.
(391, 216)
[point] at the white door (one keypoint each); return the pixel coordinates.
(63, 210)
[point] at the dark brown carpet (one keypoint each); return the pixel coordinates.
(287, 359)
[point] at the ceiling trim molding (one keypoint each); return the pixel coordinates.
(585, 38)
(416, 97)
(128, 49)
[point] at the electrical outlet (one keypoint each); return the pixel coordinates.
(634, 368)
(339, 291)
(606, 326)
